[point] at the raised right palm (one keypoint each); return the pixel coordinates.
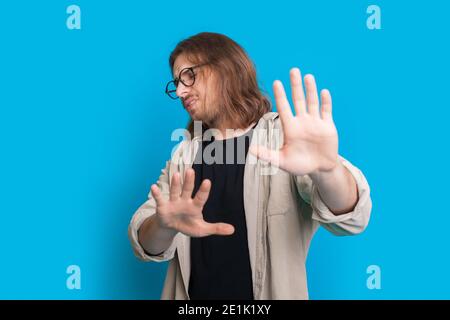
(184, 213)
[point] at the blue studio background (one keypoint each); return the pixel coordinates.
(85, 129)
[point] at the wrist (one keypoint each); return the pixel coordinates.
(169, 231)
(326, 174)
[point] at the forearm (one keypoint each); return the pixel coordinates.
(337, 188)
(154, 238)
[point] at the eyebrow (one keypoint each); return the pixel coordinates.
(176, 72)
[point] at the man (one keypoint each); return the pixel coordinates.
(234, 229)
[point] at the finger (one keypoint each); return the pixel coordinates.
(202, 194)
(156, 193)
(265, 154)
(282, 102)
(220, 229)
(312, 99)
(325, 97)
(298, 95)
(188, 186)
(175, 187)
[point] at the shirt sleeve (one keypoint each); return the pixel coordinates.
(350, 223)
(145, 211)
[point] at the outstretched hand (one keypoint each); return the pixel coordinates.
(310, 136)
(184, 213)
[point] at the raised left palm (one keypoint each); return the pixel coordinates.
(310, 137)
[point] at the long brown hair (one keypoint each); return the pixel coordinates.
(242, 101)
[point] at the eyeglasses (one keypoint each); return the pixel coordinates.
(186, 77)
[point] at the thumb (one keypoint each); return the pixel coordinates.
(224, 229)
(219, 228)
(271, 156)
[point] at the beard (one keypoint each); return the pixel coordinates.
(209, 115)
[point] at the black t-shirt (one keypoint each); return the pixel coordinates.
(220, 265)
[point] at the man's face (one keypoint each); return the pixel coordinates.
(198, 99)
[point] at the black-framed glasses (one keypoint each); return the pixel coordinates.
(186, 77)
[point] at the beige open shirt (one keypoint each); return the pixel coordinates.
(282, 214)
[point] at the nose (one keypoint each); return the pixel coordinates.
(182, 90)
